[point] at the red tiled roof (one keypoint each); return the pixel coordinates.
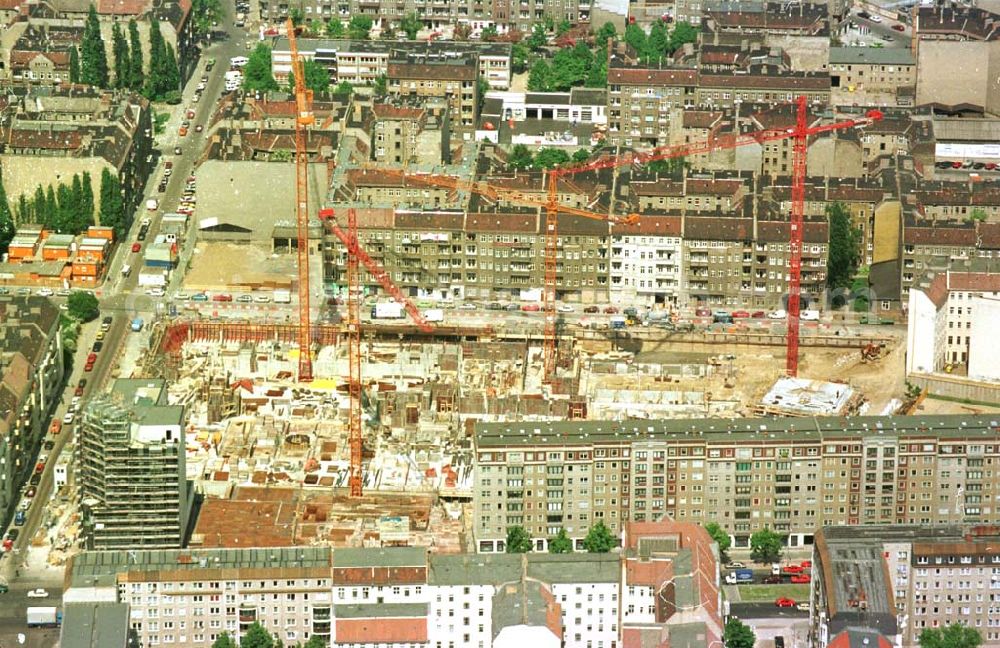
(52, 140)
(950, 236)
(23, 58)
(429, 220)
(650, 226)
(437, 71)
(658, 188)
(778, 231)
(700, 118)
(122, 7)
(766, 82)
(714, 187)
(10, 4)
(382, 630)
(642, 76)
(387, 111)
(989, 236)
(974, 281)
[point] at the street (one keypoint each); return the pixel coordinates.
(121, 298)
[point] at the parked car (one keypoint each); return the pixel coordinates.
(38, 593)
(772, 580)
(512, 307)
(88, 367)
(899, 27)
(198, 128)
(792, 569)
(801, 578)
(802, 606)
(610, 310)
(784, 602)
(758, 315)
(199, 297)
(777, 315)
(592, 309)
(244, 299)
(875, 18)
(735, 565)
(222, 297)
(262, 299)
(564, 308)
(494, 306)
(740, 314)
(806, 564)
(48, 445)
(45, 292)
(30, 492)
(177, 150)
(703, 312)
(531, 307)
(467, 306)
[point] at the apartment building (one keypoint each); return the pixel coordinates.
(944, 323)
(52, 136)
(361, 62)
(897, 580)
(434, 13)
(646, 262)
(801, 30)
(133, 488)
(578, 106)
(665, 583)
(452, 78)
(930, 245)
(42, 55)
(400, 135)
(791, 475)
(869, 76)
(31, 371)
(479, 255)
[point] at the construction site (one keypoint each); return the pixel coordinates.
(360, 433)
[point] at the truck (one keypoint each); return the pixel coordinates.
(434, 315)
(738, 576)
(617, 322)
(282, 297)
(387, 310)
(137, 324)
(44, 617)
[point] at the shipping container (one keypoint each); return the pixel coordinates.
(387, 310)
(434, 315)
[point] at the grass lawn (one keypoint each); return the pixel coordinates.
(799, 592)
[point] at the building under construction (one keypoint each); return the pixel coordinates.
(131, 476)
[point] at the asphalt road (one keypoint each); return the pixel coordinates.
(122, 298)
(765, 611)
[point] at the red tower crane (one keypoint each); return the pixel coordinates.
(356, 253)
(303, 118)
(799, 134)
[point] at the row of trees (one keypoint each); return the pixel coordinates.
(257, 636)
(521, 157)
(599, 540)
(257, 76)
(67, 209)
(570, 67)
(91, 66)
(659, 43)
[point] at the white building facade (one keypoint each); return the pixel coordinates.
(646, 266)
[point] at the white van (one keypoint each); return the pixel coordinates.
(233, 74)
(126, 270)
(809, 316)
(238, 61)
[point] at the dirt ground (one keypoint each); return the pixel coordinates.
(755, 369)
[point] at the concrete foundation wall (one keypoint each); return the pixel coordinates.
(957, 388)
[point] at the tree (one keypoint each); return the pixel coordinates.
(122, 61)
(489, 33)
(738, 634)
(518, 540)
(520, 157)
(335, 28)
(23, 214)
(549, 157)
(482, 87)
(224, 641)
(845, 241)
(317, 77)
(561, 543)
(538, 38)
(381, 85)
(597, 76)
(658, 43)
(462, 32)
(720, 536)
(74, 65)
(135, 75)
(548, 22)
(411, 24)
(83, 306)
(39, 213)
(669, 166)
(79, 218)
(87, 199)
(955, 635)
(51, 206)
(257, 637)
(172, 73)
(636, 37)
(257, 72)
(563, 27)
(765, 546)
(519, 57)
(155, 80)
(6, 220)
(977, 214)
(581, 155)
(94, 70)
(112, 208)
(539, 77)
(315, 641)
(344, 87)
(605, 33)
(205, 12)
(599, 539)
(359, 27)
(682, 34)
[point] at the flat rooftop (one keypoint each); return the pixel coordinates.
(746, 431)
(808, 397)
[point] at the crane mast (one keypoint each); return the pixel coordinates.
(303, 119)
